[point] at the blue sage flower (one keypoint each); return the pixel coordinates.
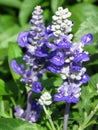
(51, 48)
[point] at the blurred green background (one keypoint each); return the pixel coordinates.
(14, 18)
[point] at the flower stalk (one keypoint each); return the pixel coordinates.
(66, 116)
(29, 105)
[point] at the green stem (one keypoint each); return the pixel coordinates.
(84, 125)
(49, 118)
(13, 101)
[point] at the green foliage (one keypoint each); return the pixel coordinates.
(3, 90)
(14, 18)
(26, 9)
(80, 12)
(55, 4)
(87, 104)
(11, 3)
(17, 124)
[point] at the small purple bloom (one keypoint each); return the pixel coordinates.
(70, 99)
(48, 32)
(87, 39)
(33, 117)
(41, 52)
(16, 68)
(82, 57)
(23, 39)
(75, 68)
(64, 43)
(85, 78)
(37, 87)
(53, 47)
(53, 68)
(58, 59)
(59, 97)
(19, 112)
(35, 106)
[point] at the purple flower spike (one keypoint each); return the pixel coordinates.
(23, 39)
(37, 87)
(87, 39)
(16, 68)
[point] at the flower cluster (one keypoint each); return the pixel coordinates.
(51, 48)
(72, 72)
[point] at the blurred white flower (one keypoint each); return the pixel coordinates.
(45, 99)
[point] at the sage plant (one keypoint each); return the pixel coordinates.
(51, 48)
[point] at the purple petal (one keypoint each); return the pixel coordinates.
(33, 117)
(16, 68)
(37, 87)
(57, 60)
(75, 68)
(51, 46)
(85, 78)
(54, 69)
(64, 44)
(23, 39)
(19, 112)
(83, 57)
(71, 99)
(41, 52)
(48, 30)
(87, 39)
(58, 97)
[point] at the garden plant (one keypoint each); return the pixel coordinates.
(49, 65)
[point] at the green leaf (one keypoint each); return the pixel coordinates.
(55, 4)
(93, 59)
(52, 82)
(7, 35)
(17, 124)
(92, 122)
(10, 35)
(26, 10)
(3, 90)
(93, 81)
(2, 110)
(3, 53)
(90, 25)
(14, 52)
(47, 16)
(6, 21)
(80, 12)
(89, 1)
(11, 3)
